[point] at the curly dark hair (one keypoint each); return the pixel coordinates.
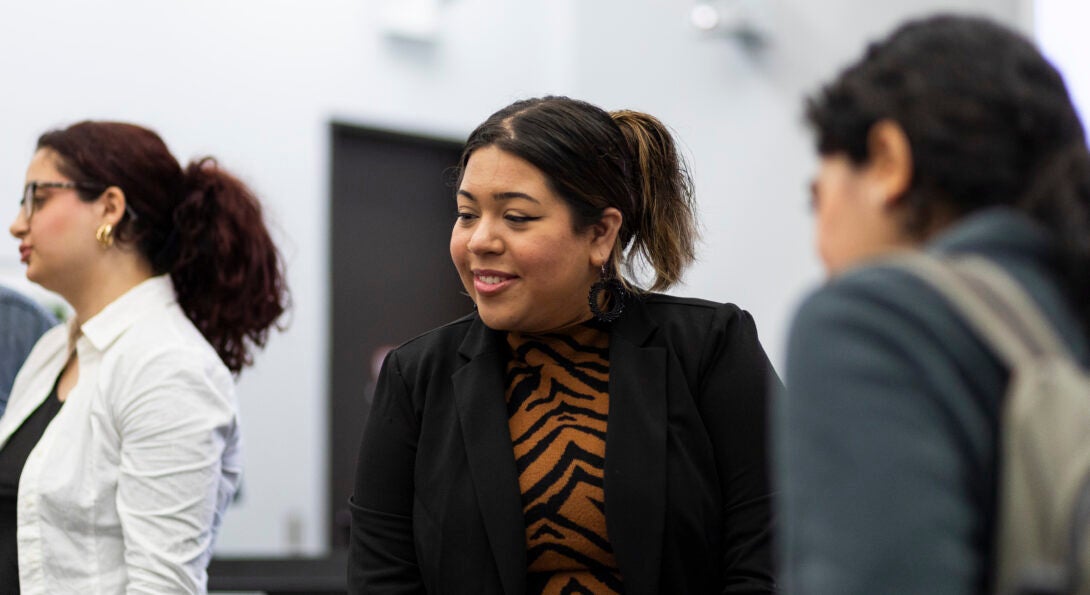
(200, 224)
(989, 121)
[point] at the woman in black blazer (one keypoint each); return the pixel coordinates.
(575, 433)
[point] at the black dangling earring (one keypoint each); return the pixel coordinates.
(615, 297)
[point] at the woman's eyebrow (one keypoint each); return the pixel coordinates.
(501, 196)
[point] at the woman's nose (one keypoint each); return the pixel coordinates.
(19, 227)
(484, 238)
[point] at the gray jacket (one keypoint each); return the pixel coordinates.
(22, 322)
(885, 440)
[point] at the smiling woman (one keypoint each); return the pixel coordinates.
(577, 432)
(517, 250)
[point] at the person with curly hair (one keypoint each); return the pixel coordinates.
(952, 135)
(119, 450)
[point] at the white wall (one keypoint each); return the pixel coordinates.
(257, 82)
(740, 115)
(1060, 27)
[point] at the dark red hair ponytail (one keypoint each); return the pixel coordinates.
(226, 271)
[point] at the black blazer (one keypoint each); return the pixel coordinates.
(437, 506)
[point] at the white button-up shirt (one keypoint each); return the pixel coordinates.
(125, 490)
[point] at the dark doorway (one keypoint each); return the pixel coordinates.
(392, 279)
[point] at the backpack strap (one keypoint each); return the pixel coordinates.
(995, 305)
(1003, 314)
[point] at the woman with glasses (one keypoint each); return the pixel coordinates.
(575, 434)
(119, 450)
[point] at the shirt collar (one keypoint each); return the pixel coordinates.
(105, 327)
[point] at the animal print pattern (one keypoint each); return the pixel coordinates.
(558, 407)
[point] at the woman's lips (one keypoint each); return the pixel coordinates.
(24, 254)
(491, 282)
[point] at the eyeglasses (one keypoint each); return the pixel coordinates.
(29, 202)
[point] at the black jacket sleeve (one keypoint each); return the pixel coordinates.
(382, 555)
(733, 402)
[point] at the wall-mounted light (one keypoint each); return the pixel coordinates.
(744, 20)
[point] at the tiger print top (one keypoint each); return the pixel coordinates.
(557, 407)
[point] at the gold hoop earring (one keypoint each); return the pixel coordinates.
(105, 235)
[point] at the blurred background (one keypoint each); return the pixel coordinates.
(343, 115)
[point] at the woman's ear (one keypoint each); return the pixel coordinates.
(112, 201)
(604, 235)
(889, 161)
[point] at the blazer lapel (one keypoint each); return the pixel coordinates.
(635, 481)
(479, 394)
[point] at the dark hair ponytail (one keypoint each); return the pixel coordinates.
(595, 160)
(226, 271)
(665, 235)
(202, 226)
